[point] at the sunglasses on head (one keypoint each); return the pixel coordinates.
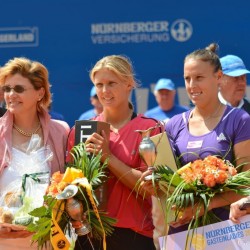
(18, 89)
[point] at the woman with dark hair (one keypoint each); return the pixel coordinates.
(210, 128)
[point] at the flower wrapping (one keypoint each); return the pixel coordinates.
(27, 179)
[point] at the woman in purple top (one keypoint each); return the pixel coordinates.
(210, 128)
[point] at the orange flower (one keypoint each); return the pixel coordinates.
(57, 185)
(56, 177)
(209, 180)
(52, 190)
(209, 171)
(221, 177)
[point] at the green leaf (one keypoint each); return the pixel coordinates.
(41, 211)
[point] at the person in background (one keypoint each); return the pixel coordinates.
(236, 210)
(95, 103)
(165, 93)
(2, 111)
(27, 95)
(113, 78)
(233, 85)
(55, 115)
(2, 104)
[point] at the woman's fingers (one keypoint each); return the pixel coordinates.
(12, 231)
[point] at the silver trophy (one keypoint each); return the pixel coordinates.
(147, 149)
(74, 208)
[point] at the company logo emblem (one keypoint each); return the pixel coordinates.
(221, 137)
(181, 30)
(199, 242)
(61, 244)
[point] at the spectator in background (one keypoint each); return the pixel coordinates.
(55, 115)
(2, 111)
(165, 92)
(234, 82)
(2, 102)
(95, 103)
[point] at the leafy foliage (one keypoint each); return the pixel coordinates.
(89, 164)
(187, 187)
(95, 172)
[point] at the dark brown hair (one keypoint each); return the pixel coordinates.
(207, 55)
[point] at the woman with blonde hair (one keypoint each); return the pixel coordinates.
(26, 130)
(114, 80)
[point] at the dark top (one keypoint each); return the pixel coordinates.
(246, 105)
(2, 111)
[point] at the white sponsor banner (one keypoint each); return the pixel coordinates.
(19, 37)
(224, 235)
(141, 32)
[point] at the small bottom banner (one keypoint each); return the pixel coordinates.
(224, 235)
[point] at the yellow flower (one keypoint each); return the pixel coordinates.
(71, 174)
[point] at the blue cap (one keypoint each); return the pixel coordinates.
(233, 66)
(93, 92)
(164, 83)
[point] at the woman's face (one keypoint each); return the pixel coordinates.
(20, 103)
(112, 91)
(201, 81)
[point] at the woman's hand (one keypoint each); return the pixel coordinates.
(187, 214)
(236, 212)
(96, 143)
(12, 231)
(147, 187)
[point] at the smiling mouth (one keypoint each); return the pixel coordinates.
(196, 94)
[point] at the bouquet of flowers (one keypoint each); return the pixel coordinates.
(25, 191)
(73, 196)
(196, 183)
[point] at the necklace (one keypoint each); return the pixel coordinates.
(26, 133)
(210, 116)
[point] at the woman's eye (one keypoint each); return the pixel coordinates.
(99, 85)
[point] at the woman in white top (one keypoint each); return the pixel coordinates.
(31, 143)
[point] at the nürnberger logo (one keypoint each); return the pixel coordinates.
(181, 30)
